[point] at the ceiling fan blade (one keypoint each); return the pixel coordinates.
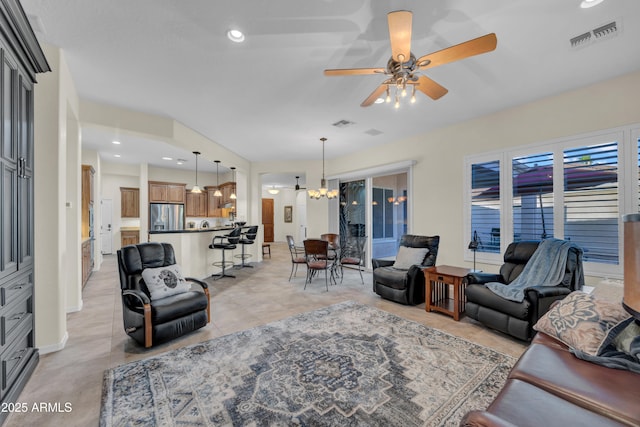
(430, 88)
(460, 51)
(374, 95)
(400, 34)
(353, 71)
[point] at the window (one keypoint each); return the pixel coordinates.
(574, 188)
(485, 205)
(382, 214)
(591, 200)
(532, 187)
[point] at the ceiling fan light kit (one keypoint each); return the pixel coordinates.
(323, 191)
(404, 69)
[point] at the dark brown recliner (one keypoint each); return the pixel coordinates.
(151, 322)
(405, 286)
(517, 318)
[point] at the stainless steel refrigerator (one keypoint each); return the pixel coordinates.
(165, 217)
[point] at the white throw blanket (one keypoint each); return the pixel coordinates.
(545, 268)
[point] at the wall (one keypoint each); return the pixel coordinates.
(54, 97)
(438, 186)
(281, 229)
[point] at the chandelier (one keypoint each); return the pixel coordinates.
(323, 191)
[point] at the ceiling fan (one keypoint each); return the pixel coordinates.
(403, 68)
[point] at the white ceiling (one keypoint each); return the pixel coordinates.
(267, 98)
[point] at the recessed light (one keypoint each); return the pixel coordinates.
(235, 36)
(167, 158)
(590, 3)
(115, 142)
(379, 101)
(116, 155)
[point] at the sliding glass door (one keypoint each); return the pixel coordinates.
(374, 208)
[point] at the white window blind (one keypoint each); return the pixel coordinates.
(591, 203)
(532, 187)
(485, 205)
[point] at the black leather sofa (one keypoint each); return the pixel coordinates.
(405, 286)
(153, 321)
(517, 318)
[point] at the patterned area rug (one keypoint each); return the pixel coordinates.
(347, 364)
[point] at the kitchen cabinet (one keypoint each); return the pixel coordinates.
(87, 261)
(129, 202)
(129, 237)
(87, 201)
(220, 206)
(20, 60)
(196, 204)
(166, 192)
(214, 209)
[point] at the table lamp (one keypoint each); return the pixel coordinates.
(631, 297)
(473, 245)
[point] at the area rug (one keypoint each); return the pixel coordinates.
(347, 364)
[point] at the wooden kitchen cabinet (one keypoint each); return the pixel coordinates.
(129, 237)
(196, 204)
(214, 208)
(129, 202)
(87, 200)
(87, 261)
(166, 192)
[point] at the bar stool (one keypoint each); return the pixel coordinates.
(248, 238)
(225, 243)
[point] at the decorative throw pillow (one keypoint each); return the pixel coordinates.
(409, 256)
(165, 281)
(581, 321)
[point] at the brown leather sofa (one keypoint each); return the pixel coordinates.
(550, 387)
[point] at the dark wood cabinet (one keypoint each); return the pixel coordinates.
(20, 60)
(129, 202)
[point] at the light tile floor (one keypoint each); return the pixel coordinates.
(257, 296)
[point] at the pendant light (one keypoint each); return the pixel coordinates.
(323, 191)
(233, 193)
(217, 193)
(195, 188)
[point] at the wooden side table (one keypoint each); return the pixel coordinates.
(438, 280)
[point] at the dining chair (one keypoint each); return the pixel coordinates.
(316, 253)
(353, 255)
(297, 256)
(334, 250)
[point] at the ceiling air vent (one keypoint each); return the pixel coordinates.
(603, 32)
(343, 123)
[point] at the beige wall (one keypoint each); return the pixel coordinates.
(54, 97)
(438, 172)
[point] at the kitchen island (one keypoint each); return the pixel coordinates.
(191, 247)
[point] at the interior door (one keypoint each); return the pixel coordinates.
(106, 236)
(267, 219)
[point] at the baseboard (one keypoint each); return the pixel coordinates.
(76, 308)
(55, 347)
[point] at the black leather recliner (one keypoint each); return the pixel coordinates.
(517, 318)
(151, 322)
(405, 286)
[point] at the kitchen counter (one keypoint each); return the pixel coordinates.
(192, 230)
(191, 247)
